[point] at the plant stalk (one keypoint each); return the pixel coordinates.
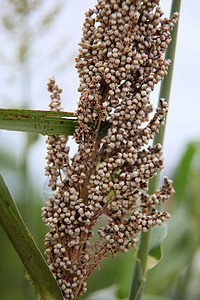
(165, 88)
(139, 273)
(24, 244)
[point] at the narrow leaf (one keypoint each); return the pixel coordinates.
(42, 122)
(24, 244)
(182, 171)
(158, 234)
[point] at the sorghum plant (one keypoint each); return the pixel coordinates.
(120, 60)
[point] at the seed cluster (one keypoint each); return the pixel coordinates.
(120, 60)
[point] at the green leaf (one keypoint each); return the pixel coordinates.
(158, 234)
(43, 122)
(178, 248)
(25, 246)
(182, 171)
(104, 128)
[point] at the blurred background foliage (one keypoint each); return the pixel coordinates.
(176, 277)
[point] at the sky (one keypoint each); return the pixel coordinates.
(52, 54)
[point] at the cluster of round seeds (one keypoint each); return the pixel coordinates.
(160, 196)
(122, 236)
(122, 51)
(67, 241)
(120, 60)
(164, 193)
(57, 151)
(55, 91)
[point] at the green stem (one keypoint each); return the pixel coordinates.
(165, 88)
(24, 244)
(139, 273)
(138, 281)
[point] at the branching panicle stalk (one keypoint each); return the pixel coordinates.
(120, 61)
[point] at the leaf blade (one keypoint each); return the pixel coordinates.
(25, 246)
(155, 255)
(42, 122)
